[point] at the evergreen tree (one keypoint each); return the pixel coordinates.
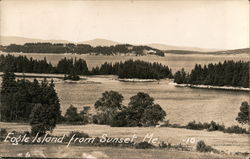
(8, 97)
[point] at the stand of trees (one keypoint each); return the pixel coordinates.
(134, 69)
(36, 102)
(30, 65)
(70, 66)
(141, 110)
(80, 49)
(229, 73)
(75, 67)
(23, 64)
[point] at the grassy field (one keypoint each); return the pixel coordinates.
(61, 151)
(230, 143)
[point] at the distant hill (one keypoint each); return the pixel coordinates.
(235, 51)
(99, 42)
(6, 40)
(171, 47)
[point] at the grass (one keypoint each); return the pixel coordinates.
(61, 151)
(218, 140)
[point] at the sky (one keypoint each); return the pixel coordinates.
(218, 24)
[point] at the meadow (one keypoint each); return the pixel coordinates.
(60, 151)
(229, 143)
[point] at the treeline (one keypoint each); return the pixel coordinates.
(23, 64)
(213, 126)
(81, 49)
(228, 73)
(134, 69)
(29, 65)
(74, 67)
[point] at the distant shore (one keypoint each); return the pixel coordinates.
(212, 87)
(61, 76)
(136, 80)
(37, 75)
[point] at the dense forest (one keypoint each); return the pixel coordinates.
(19, 97)
(24, 64)
(73, 67)
(228, 73)
(81, 49)
(30, 65)
(134, 69)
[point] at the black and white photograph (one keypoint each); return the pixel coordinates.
(126, 79)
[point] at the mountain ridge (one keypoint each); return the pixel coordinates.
(173, 47)
(6, 40)
(99, 42)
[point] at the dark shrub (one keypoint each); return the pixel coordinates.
(243, 153)
(95, 119)
(73, 117)
(73, 77)
(3, 134)
(144, 145)
(195, 126)
(214, 127)
(202, 147)
(165, 145)
(3, 131)
(181, 147)
(176, 126)
(236, 129)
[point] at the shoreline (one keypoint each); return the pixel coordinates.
(231, 88)
(80, 54)
(83, 77)
(136, 80)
